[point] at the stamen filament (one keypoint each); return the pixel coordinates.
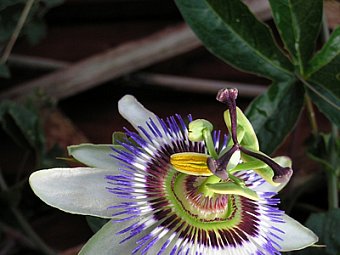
(209, 143)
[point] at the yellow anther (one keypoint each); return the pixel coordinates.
(191, 163)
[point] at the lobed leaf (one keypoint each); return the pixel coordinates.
(324, 66)
(326, 101)
(230, 31)
(275, 113)
(298, 22)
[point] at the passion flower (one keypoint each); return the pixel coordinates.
(173, 190)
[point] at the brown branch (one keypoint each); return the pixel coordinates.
(36, 63)
(105, 66)
(198, 85)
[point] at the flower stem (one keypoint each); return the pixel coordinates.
(16, 32)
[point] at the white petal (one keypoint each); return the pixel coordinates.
(295, 236)
(98, 156)
(135, 112)
(267, 187)
(75, 190)
(106, 241)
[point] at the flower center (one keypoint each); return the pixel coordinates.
(189, 201)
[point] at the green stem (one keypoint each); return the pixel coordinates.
(311, 114)
(332, 175)
(16, 32)
(25, 225)
(332, 178)
(333, 198)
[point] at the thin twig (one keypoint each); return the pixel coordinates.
(17, 30)
(25, 224)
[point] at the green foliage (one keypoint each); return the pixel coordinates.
(274, 113)
(298, 22)
(4, 71)
(21, 122)
(325, 149)
(22, 125)
(326, 226)
(323, 75)
(230, 31)
(34, 28)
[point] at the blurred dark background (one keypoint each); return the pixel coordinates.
(77, 30)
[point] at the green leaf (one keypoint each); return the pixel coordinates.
(35, 31)
(326, 101)
(326, 226)
(275, 113)
(230, 31)
(323, 78)
(22, 124)
(4, 71)
(325, 149)
(324, 66)
(298, 22)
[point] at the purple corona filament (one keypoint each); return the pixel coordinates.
(163, 211)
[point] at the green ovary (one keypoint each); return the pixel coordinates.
(194, 208)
